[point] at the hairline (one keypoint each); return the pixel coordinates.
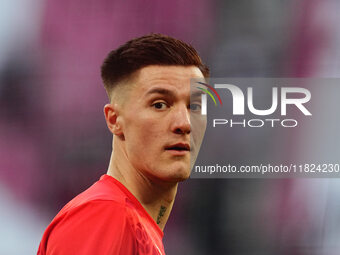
(127, 82)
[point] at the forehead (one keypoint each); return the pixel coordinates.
(171, 77)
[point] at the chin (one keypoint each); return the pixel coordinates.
(178, 175)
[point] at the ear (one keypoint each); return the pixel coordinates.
(111, 113)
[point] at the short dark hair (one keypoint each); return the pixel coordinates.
(152, 49)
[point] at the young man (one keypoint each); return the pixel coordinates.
(151, 117)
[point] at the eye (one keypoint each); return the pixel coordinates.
(195, 107)
(160, 105)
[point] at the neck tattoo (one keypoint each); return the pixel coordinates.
(161, 213)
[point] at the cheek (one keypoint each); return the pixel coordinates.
(144, 131)
(198, 126)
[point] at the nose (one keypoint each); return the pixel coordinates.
(181, 121)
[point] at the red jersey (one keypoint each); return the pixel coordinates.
(104, 219)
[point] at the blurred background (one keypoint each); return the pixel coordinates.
(54, 142)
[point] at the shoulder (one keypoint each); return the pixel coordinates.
(106, 215)
(106, 189)
(96, 221)
(94, 227)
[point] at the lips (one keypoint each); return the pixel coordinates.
(178, 149)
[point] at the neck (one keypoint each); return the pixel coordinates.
(157, 197)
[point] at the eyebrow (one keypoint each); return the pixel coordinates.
(197, 93)
(161, 91)
(170, 93)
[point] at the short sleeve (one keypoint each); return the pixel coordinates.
(96, 227)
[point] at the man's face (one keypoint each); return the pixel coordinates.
(156, 119)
